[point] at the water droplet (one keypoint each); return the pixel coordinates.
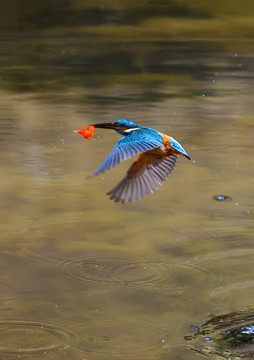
(222, 198)
(208, 339)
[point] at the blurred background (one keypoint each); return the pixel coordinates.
(83, 277)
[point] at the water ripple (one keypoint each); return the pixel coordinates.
(19, 336)
(122, 337)
(174, 274)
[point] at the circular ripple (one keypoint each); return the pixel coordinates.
(174, 274)
(125, 338)
(33, 337)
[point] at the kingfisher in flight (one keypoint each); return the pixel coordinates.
(157, 158)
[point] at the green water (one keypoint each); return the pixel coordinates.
(81, 276)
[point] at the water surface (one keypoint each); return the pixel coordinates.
(81, 276)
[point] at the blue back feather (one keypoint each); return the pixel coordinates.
(138, 141)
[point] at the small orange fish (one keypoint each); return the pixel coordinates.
(88, 134)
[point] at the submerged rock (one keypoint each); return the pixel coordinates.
(230, 335)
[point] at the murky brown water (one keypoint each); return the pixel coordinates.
(81, 276)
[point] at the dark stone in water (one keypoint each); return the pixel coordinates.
(222, 198)
(230, 335)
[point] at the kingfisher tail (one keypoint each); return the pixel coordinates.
(179, 149)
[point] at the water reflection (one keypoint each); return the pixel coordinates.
(229, 335)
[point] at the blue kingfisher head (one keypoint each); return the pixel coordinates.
(123, 126)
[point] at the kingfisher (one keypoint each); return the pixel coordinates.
(157, 152)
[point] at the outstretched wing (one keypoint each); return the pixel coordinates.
(144, 177)
(137, 142)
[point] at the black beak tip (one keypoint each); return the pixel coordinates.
(104, 125)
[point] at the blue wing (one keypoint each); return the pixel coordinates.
(138, 141)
